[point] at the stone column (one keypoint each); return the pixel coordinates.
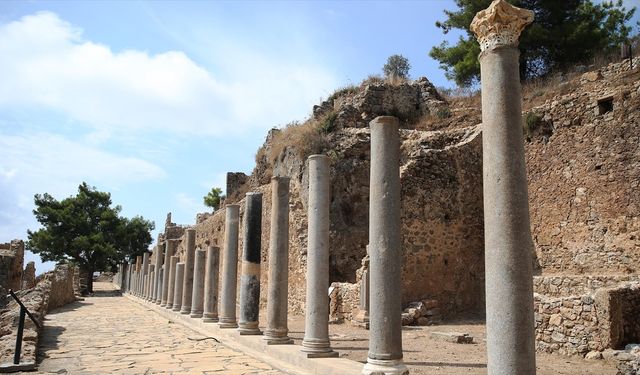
(151, 279)
(169, 251)
(362, 317)
(177, 289)
(250, 277)
(211, 285)
(228, 287)
(385, 247)
(172, 281)
(316, 333)
(197, 296)
(277, 330)
(187, 286)
(137, 275)
(507, 231)
(145, 272)
(159, 285)
(155, 298)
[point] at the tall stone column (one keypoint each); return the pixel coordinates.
(316, 333)
(145, 272)
(229, 284)
(385, 248)
(250, 277)
(197, 296)
(150, 281)
(155, 298)
(172, 281)
(159, 285)
(177, 289)
(507, 233)
(169, 251)
(210, 313)
(277, 330)
(187, 286)
(137, 275)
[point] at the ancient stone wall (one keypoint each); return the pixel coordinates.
(583, 174)
(575, 285)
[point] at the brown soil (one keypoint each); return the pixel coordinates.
(424, 355)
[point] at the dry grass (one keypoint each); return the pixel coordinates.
(303, 139)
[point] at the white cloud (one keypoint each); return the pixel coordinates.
(47, 63)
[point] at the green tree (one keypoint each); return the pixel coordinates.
(213, 198)
(564, 33)
(85, 230)
(397, 66)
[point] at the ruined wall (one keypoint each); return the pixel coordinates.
(584, 175)
(11, 263)
(575, 285)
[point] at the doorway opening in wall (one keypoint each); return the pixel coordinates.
(605, 105)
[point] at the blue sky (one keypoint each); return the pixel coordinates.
(156, 101)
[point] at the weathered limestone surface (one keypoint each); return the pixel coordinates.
(11, 263)
(29, 276)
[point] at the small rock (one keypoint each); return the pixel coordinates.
(594, 354)
(455, 337)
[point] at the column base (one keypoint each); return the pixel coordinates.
(384, 367)
(275, 340)
(195, 314)
(168, 306)
(317, 348)
(226, 325)
(163, 304)
(249, 328)
(185, 311)
(177, 308)
(209, 318)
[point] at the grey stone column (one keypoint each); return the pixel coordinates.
(385, 247)
(197, 296)
(210, 313)
(172, 281)
(187, 286)
(250, 277)
(150, 281)
(507, 231)
(155, 298)
(277, 330)
(169, 251)
(145, 272)
(137, 275)
(316, 333)
(159, 285)
(229, 284)
(177, 289)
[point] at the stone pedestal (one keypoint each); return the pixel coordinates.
(187, 286)
(197, 297)
(316, 334)
(507, 233)
(277, 329)
(250, 277)
(172, 281)
(169, 251)
(385, 247)
(177, 288)
(210, 313)
(228, 287)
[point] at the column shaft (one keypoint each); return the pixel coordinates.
(169, 251)
(155, 298)
(210, 313)
(172, 281)
(316, 334)
(197, 297)
(187, 286)
(177, 289)
(250, 277)
(277, 329)
(385, 247)
(229, 282)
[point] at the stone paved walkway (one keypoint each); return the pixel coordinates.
(110, 334)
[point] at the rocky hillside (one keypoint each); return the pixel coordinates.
(583, 162)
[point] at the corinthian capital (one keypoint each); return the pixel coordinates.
(500, 24)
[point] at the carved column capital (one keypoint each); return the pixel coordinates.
(500, 25)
